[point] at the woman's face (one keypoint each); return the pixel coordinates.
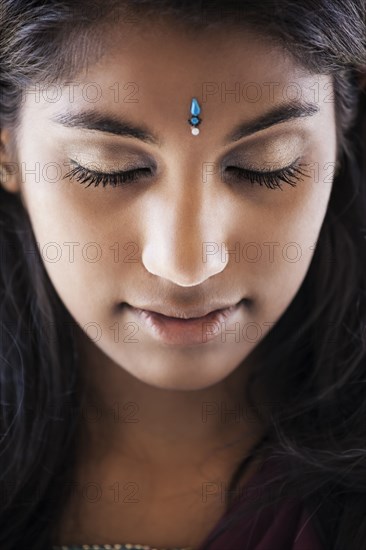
(189, 235)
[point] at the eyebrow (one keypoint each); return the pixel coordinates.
(280, 113)
(110, 124)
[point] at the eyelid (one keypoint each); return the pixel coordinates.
(289, 132)
(286, 145)
(96, 167)
(267, 168)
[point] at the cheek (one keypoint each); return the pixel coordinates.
(88, 246)
(276, 239)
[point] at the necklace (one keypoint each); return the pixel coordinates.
(126, 546)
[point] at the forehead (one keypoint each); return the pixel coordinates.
(167, 56)
(151, 71)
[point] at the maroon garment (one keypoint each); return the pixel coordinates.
(286, 526)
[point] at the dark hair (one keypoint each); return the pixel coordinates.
(313, 361)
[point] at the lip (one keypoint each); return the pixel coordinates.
(191, 313)
(184, 331)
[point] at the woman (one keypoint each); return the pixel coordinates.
(183, 294)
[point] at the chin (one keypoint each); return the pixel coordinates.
(183, 370)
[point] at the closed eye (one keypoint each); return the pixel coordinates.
(114, 179)
(290, 174)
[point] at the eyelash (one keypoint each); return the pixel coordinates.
(272, 180)
(115, 179)
(290, 174)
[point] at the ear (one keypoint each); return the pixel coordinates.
(9, 168)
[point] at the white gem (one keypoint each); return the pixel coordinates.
(195, 131)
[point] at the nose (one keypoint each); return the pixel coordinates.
(184, 240)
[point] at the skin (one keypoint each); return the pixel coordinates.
(168, 217)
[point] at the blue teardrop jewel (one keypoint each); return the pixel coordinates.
(195, 120)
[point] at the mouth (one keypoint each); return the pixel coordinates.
(186, 328)
(171, 312)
